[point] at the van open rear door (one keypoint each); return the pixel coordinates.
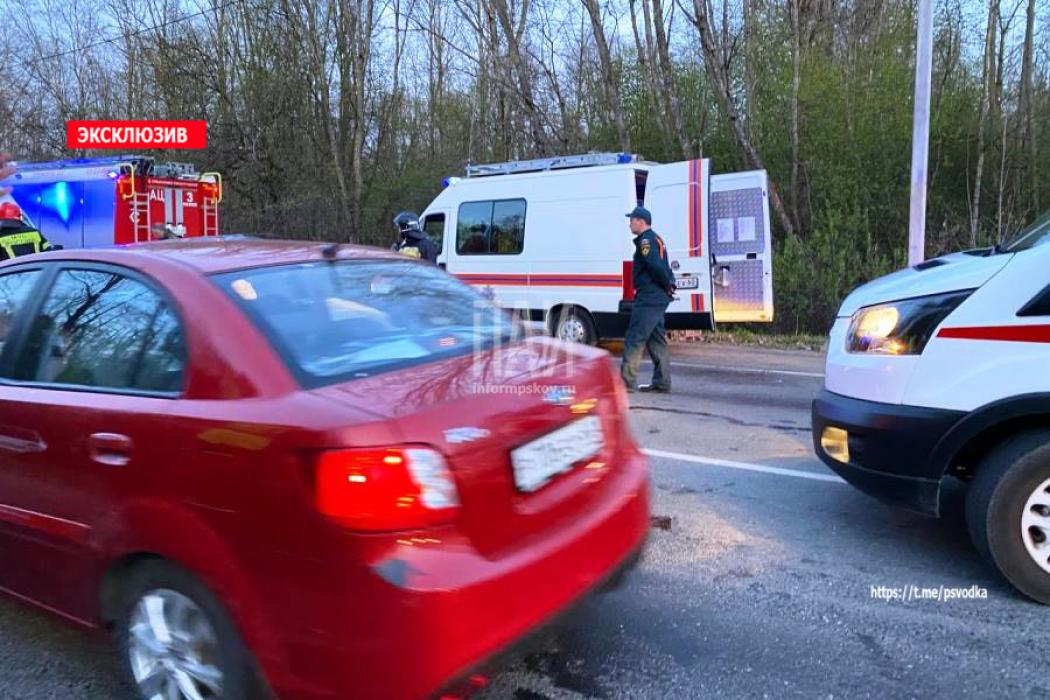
(678, 196)
(741, 247)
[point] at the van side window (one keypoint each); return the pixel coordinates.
(434, 227)
(508, 227)
(491, 227)
(640, 178)
(99, 329)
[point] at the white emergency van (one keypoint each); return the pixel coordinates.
(940, 372)
(549, 238)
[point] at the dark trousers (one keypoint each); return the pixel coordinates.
(646, 331)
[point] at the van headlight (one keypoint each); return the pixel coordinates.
(901, 327)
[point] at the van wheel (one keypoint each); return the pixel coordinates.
(176, 641)
(575, 325)
(1008, 512)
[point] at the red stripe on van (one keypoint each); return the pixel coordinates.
(692, 203)
(495, 279)
(696, 209)
(593, 279)
(543, 280)
(697, 302)
(1014, 334)
(628, 279)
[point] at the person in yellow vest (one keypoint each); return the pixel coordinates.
(17, 238)
(412, 241)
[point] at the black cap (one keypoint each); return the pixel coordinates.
(641, 213)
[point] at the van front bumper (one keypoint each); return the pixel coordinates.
(890, 448)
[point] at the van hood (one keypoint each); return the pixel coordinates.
(949, 273)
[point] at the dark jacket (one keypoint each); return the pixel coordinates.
(653, 279)
(416, 244)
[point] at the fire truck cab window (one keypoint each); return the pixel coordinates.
(434, 227)
(491, 227)
(15, 289)
(99, 329)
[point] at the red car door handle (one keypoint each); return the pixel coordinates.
(111, 449)
(20, 441)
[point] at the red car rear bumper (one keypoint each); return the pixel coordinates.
(431, 609)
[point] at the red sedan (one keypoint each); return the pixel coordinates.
(325, 472)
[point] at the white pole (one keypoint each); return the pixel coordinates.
(920, 138)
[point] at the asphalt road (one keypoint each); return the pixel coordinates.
(761, 586)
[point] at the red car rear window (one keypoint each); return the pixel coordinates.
(336, 321)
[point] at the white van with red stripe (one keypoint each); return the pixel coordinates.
(940, 373)
(549, 238)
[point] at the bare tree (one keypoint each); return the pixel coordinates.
(513, 30)
(717, 61)
(982, 120)
(646, 53)
(667, 79)
(1027, 104)
(796, 80)
(610, 78)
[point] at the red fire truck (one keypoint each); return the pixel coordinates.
(95, 202)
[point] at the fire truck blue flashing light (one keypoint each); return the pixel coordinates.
(57, 199)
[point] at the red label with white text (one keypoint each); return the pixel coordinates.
(121, 134)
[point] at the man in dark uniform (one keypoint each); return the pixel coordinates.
(413, 241)
(17, 238)
(654, 288)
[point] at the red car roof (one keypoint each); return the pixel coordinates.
(214, 255)
(218, 255)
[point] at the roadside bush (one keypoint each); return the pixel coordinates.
(812, 276)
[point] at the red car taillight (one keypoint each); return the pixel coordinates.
(385, 488)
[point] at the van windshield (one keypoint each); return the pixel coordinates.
(336, 321)
(1036, 233)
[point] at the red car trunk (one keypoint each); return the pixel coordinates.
(477, 409)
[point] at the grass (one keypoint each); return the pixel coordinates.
(746, 336)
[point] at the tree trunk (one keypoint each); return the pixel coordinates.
(982, 119)
(610, 79)
(362, 25)
(667, 79)
(1002, 187)
(1027, 107)
(796, 69)
(646, 60)
(512, 35)
(718, 75)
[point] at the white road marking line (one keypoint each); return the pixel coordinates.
(750, 370)
(744, 466)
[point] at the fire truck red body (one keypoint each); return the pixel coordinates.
(89, 203)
